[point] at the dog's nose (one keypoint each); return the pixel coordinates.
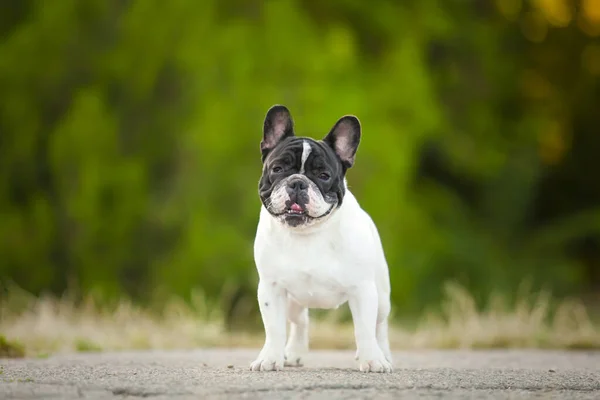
(297, 184)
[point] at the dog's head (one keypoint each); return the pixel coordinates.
(302, 182)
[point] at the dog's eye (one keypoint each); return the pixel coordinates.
(277, 169)
(324, 176)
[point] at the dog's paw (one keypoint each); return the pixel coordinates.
(268, 360)
(374, 362)
(388, 356)
(294, 355)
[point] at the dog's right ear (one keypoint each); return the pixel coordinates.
(278, 126)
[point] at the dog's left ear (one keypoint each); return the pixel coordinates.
(344, 138)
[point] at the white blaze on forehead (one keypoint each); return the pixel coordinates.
(306, 149)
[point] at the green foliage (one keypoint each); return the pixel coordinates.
(129, 139)
(86, 346)
(11, 349)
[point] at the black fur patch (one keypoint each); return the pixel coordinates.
(321, 160)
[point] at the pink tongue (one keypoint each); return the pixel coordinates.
(296, 207)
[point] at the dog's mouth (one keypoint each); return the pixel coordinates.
(295, 210)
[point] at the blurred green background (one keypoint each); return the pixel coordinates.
(130, 130)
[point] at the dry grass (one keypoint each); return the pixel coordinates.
(47, 325)
(531, 323)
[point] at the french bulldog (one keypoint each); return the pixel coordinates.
(315, 247)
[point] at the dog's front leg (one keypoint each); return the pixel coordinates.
(363, 303)
(272, 304)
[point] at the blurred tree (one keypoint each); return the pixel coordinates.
(129, 139)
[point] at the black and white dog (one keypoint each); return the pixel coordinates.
(315, 247)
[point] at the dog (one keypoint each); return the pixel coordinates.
(315, 247)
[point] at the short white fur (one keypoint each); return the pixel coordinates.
(336, 260)
(306, 149)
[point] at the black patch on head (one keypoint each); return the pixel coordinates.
(322, 167)
(325, 166)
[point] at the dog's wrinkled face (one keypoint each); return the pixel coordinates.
(302, 183)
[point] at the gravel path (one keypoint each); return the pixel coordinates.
(224, 374)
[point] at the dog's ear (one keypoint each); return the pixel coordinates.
(278, 126)
(344, 138)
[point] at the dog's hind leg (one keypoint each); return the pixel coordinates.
(297, 345)
(383, 312)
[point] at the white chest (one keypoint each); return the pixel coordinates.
(315, 285)
(315, 273)
(320, 269)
